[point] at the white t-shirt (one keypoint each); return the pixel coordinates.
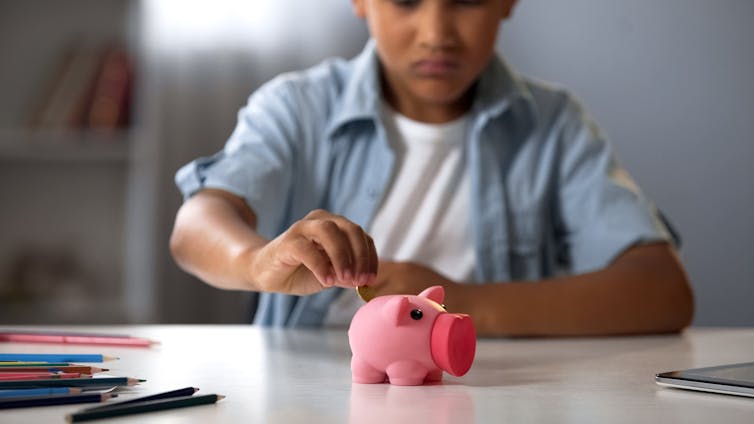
(425, 216)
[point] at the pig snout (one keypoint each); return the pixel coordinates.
(453, 343)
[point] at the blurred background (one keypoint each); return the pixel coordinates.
(101, 101)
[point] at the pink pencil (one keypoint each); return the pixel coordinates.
(75, 339)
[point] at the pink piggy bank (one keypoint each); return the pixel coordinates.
(410, 340)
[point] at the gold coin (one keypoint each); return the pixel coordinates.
(366, 293)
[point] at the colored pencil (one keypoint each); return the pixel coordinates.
(186, 391)
(7, 364)
(53, 400)
(39, 392)
(75, 338)
(55, 357)
(141, 407)
(78, 368)
(71, 382)
(14, 376)
(63, 333)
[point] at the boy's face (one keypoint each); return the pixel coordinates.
(432, 51)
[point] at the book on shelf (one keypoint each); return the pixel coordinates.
(90, 89)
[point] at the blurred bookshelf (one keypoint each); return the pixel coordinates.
(68, 160)
(64, 146)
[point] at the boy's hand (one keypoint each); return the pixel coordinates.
(412, 278)
(407, 278)
(320, 251)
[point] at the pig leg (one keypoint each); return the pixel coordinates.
(434, 376)
(362, 372)
(406, 373)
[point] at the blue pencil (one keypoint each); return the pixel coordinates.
(54, 357)
(38, 392)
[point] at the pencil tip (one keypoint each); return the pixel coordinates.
(110, 358)
(141, 380)
(196, 389)
(220, 397)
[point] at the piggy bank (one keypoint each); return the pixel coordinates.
(410, 340)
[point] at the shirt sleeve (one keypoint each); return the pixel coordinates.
(256, 162)
(603, 211)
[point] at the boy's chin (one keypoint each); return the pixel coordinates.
(452, 99)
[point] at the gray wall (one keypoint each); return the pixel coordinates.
(671, 83)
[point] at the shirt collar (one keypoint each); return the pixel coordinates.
(498, 89)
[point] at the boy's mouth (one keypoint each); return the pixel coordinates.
(434, 67)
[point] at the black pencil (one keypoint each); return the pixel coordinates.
(53, 400)
(186, 391)
(141, 407)
(70, 382)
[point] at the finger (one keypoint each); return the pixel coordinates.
(334, 242)
(360, 247)
(309, 254)
(373, 262)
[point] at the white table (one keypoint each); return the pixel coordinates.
(285, 376)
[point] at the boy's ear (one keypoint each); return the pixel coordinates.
(359, 8)
(507, 8)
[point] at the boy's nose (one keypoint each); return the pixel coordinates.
(435, 29)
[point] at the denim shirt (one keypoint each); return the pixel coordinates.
(547, 194)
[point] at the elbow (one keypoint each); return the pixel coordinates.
(177, 244)
(684, 303)
(679, 298)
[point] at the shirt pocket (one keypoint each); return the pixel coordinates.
(526, 244)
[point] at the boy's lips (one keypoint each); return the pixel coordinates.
(434, 67)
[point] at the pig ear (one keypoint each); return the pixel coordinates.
(436, 293)
(396, 310)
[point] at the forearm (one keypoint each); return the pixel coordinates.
(212, 238)
(643, 291)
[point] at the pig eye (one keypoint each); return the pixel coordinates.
(417, 314)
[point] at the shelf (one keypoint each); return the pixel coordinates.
(64, 146)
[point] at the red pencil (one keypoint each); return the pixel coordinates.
(77, 338)
(18, 376)
(83, 369)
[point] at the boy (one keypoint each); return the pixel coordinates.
(466, 175)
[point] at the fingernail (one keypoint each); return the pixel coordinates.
(363, 279)
(347, 276)
(330, 280)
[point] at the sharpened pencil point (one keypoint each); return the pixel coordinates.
(110, 358)
(220, 397)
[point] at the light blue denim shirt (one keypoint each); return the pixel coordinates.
(547, 194)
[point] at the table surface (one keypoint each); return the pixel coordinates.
(289, 376)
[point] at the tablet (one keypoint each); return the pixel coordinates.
(733, 379)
